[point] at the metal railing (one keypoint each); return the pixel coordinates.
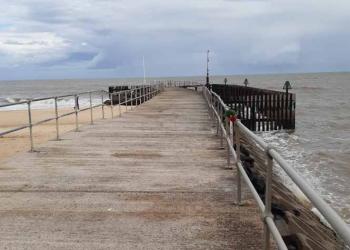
(134, 96)
(171, 83)
(217, 109)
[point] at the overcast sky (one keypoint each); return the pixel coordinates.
(108, 38)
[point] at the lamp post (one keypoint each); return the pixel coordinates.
(246, 82)
(287, 86)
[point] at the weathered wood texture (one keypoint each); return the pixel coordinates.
(154, 178)
(259, 109)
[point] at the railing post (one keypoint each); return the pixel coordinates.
(76, 113)
(91, 111)
(120, 108)
(103, 106)
(140, 95)
(228, 132)
(56, 117)
(126, 101)
(136, 97)
(30, 126)
(217, 119)
(131, 98)
(268, 197)
(238, 153)
(221, 132)
(212, 107)
(111, 98)
(144, 93)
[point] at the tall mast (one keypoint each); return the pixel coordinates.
(207, 81)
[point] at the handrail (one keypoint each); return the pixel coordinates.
(171, 83)
(141, 93)
(216, 110)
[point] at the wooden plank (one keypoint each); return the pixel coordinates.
(235, 97)
(274, 113)
(254, 112)
(250, 110)
(258, 110)
(282, 111)
(270, 112)
(278, 110)
(262, 111)
(290, 125)
(267, 111)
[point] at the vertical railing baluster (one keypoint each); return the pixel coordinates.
(91, 110)
(126, 101)
(268, 197)
(144, 93)
(120, 108)
(111, 98)
(131, 99)
(30, 124)
(76, 113)
(228, 133)
(217, 119)
(140, 95)
(238, 153)
(56, 118)
(220, 122)
(103, 106)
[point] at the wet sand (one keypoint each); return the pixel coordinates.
(16, 142)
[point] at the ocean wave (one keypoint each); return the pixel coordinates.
(48, 104)
(309, 88)
(8, 100)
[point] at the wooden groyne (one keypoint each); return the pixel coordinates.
(259, 109)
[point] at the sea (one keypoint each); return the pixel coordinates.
(319, 147)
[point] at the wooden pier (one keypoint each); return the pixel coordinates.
(154, 178)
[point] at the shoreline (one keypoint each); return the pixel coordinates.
(17, 142)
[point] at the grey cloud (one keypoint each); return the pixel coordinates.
(247, 36)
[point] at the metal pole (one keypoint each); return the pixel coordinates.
(228, 132)
(221, 132)
(111, 98)
(238, 153)
(56, 116)
(126, 101)
(30, 126)
(131, 98)
(268, 197)
(76, 114)
(91, 111)
(217, 119)
(103, 107)
(139, 96)
(120, 108)
(143, 93)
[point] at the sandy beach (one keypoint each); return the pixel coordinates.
(16, 142)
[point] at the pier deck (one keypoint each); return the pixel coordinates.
(154, 178)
